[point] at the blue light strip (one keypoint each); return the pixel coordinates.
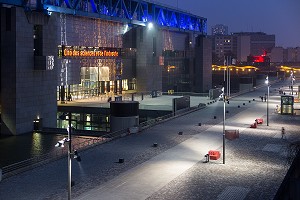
(129, 11)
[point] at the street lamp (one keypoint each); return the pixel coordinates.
(267, 82)
(70, 154)
(292, 80)
(224, 99)
(224, 108)
(150, 25)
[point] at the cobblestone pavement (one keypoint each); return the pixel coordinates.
(254, 169)
(256, 163)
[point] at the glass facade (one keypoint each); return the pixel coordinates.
(85, 121)
(176, 73)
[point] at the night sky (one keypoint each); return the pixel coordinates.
(279, 17)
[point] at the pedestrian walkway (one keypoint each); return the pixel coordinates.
(159, 103)
(254, 169)
(147, 178)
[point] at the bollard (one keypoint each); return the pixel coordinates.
(199, 124)
(283, 136)
(239, 106)
(206, 158)
(249, 101)
(215, 117)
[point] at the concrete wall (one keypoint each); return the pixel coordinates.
(149, 49)
(27, 93)
(8, 71)
(203, 61)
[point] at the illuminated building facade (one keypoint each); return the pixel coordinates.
(48, 55)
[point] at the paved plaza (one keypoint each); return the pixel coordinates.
(255, 163)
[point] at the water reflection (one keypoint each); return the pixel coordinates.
(17, 148)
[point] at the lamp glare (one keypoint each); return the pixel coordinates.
(150, 25)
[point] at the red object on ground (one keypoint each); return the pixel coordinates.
(232, 134)
(254, 125)
(214, 155)
(259, 120)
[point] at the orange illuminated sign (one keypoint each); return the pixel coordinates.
(80, 51)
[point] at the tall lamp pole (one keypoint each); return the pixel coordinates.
(268, 105)
(224, 108)
(69, 158)
(293, 78)
(227, 82)
(268, 85)
(71, 154)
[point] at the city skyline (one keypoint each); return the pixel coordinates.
(270, 16)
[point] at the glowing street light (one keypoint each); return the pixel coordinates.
(150, 25)
(267, 82)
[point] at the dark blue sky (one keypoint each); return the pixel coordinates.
(279, 17)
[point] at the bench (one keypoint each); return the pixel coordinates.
(259, 120)
(214, 155)
(232, 134)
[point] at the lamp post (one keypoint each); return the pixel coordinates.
(227, 71)
(224, 103)
(224, 108)
(268, 85)
(69, 157)
(292, 80)
(70, 153)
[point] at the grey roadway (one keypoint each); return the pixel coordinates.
(255, 163)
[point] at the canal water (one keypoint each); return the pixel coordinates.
(14, 149)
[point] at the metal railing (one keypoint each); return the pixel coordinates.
(153, 122)
(187, 94)
(57, 153)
